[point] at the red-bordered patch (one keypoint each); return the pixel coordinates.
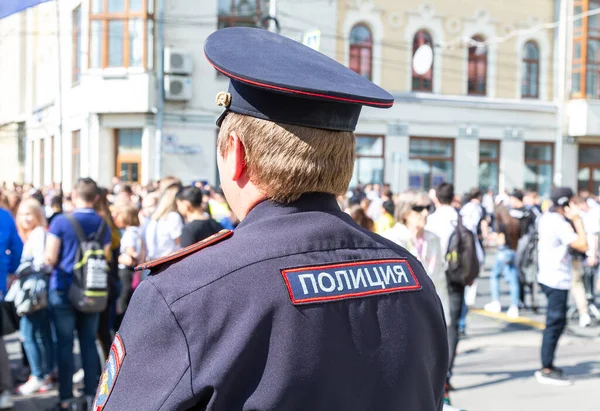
(353, 279)
(110, 373)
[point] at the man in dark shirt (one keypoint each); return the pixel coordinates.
(56, 206)
(198, 225)
(519, 211)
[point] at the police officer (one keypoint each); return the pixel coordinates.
(298, 308)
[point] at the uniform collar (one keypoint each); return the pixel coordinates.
(307, 202)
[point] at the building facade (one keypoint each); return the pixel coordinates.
(482, 115)
(584, 105)
(100, 119)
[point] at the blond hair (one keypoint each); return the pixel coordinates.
(167, 203)
(406, 201)
(285, 161)
(167, 182)
(35, 208)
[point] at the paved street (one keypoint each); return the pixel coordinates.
(494, 370)
(36, 402)
(495, 367)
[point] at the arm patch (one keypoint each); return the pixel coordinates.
(110, 373)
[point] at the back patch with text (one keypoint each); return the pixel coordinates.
(340, 281)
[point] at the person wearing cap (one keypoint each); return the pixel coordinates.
(299, 308)
(556, 236)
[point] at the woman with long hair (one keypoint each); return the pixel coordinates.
(35, 327)
(360, 217)
(162, 234)
(13, 200)
(412, 210)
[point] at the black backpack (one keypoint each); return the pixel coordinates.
(461, 256)
(89, 290)
(526, 257)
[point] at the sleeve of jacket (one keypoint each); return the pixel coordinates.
(154, 373)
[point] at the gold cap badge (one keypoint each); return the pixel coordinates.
(223, 99)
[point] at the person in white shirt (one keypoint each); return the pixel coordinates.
(488, 204)
(474, 218)
(556, 236)
(130, 253)
(442, 223)
(162, 233)
(374, 209)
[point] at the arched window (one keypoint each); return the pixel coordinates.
(477, 83)
(422, 82)
(530, 82)
(361, 50)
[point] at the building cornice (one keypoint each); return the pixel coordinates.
(476, 102)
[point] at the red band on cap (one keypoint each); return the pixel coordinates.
(306, 93)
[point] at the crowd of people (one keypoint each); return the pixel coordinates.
(43, 232)
(553, 243)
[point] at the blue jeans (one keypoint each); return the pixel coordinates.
(37, 341)
(462, 321)
(66, 320)
(505, 264)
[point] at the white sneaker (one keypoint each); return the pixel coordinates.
(78, 376)
(552, 378)
(6, 401)
(585, 320)
(513, 311)
(493, 307)
(32, 386)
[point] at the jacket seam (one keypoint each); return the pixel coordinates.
(189, 367)
(169, 396)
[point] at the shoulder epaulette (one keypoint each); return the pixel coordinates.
(213, 239)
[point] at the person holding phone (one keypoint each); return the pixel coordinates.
(556, 237)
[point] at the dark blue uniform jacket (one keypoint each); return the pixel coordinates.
(300, 309)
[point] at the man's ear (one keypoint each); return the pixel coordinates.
(238, 151)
